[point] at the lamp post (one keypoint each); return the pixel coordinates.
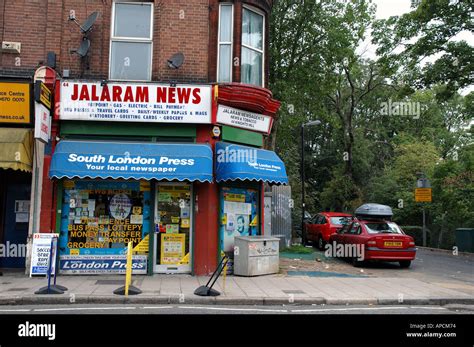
(303, 210)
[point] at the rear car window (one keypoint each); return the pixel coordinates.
(383, 228)
(339, 220)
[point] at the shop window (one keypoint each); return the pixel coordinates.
(224, 56)
(252, 47)
(131, 41)
(101, 217)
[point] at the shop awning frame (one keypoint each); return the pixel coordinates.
(242, 163)
(132, 160)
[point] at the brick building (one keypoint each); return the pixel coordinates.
(159, 118)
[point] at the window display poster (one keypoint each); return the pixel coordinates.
(172, 228)
(236, 214)
(102, 221)
(185, 223)
(172, 248)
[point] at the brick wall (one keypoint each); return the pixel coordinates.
(187, 26)
(43, 25)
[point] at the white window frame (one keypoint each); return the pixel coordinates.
(253, 9)
(131, 39)
(219, 42)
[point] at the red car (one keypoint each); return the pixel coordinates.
(321, 226)
(379, 239)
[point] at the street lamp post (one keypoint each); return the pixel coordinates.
(303, 210)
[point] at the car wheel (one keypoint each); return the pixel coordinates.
(356, 263)
(405, 264)
(321, 243)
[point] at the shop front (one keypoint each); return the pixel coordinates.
(113, 193)
(16, 166)
(241, 172)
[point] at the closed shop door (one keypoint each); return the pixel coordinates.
(173, 228)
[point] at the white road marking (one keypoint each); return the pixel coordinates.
(83, 308)
(428, 308)
(155, 307)
(368, 309)
(231, 309)
(16, 310)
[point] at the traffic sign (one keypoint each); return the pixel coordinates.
(423, 194)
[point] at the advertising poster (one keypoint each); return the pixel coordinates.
(172, 248)
(40, 253)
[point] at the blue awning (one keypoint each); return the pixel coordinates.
(235, 162)
(127, 160)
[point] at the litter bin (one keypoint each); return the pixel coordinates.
(465, 239)
(256, 255)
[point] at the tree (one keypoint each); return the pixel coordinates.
(429, 31)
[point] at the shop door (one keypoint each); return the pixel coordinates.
(16, 224)
(173, 228)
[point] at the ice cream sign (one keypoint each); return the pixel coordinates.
(158, 103)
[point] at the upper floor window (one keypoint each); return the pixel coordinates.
(252, 47)
(224, 56)
(131, 41)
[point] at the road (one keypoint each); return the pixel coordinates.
(233, 310)
(436, 267)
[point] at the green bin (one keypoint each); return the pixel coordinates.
(465, 239)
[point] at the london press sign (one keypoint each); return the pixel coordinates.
(244, 119)
(134, 102)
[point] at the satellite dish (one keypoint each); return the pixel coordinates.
(84, 47)
(87, 26)
(176, 61)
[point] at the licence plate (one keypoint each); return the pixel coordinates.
(393, 244)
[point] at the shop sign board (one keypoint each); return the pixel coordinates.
(244, 119)
(43, 94)
(100, 264)
(15, 103)
(135, 102)
(40, 253)
(42, 123)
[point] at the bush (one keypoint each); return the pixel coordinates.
(417, 233)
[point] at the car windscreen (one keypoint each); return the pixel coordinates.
(340, 220)
(382, 228)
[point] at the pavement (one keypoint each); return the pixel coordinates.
(435, 278)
